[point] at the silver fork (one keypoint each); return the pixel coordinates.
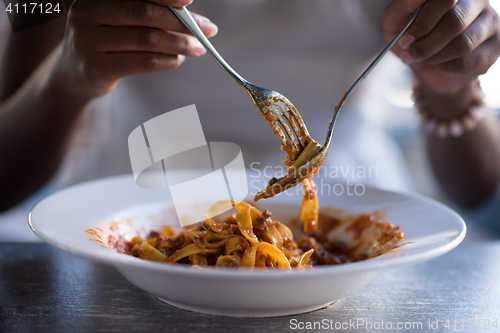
(316, 159)
(278, 111)
(284, 118)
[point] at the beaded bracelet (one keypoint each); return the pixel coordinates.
(455, 127)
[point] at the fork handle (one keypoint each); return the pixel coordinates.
(379, 58)
(185, 16)
(364, 75)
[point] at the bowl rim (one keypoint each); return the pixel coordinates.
(116, 259)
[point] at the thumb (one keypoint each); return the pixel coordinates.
(396, 16)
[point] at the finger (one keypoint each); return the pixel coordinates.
(452, 24)
(432, 12)
(137, 13)
(483, 28)
(398, 13)
(120, 39)
(172, 3)
(475, 63)
(116, 65)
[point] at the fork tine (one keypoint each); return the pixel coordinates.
(302, 132)
(293, 129)
(299, 127)
(294, 119)
(286, 111)
(289, 142)
(290, 131)
(273, 109)
(278, 131)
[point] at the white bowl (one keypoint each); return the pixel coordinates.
(61, 220)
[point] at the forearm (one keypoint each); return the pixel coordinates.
(467, 167)
(36, 124)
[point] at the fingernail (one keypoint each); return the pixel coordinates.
(208, 28)
(199, 49)
(407, 58)
(183, 3)
(405, 41)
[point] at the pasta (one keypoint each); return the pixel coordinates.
(250, 239)
(310, 207)
(295, 171)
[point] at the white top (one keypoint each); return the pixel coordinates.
(310, 51)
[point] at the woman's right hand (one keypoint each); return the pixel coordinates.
(107, 40)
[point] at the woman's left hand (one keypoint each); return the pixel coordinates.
(449, 44)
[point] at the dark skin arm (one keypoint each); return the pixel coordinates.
(50, 73)
(467, 167)
(17, 64)
(27, 165)
(447, 47)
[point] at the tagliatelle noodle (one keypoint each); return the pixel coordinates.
(249, 239)
(264, 254)
(310, 207)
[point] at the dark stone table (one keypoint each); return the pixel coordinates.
(43, 289)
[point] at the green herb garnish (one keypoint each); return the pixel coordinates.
(273, 181)
(208, 232)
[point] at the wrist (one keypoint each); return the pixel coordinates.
(67, 77)
(450, 114)
(58, 85)
(446, 106)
